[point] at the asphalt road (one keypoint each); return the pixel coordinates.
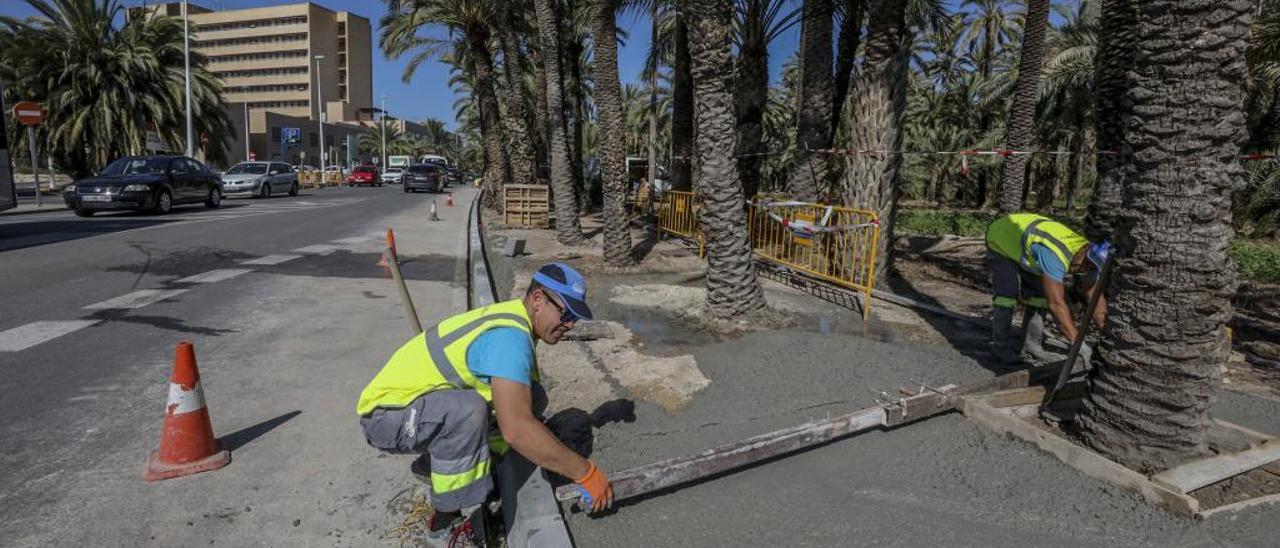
(90, 311)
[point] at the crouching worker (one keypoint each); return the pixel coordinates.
(441, 392)
(1035, 260)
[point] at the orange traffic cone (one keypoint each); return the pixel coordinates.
(448, 200)
(187, 445)
(391, 243)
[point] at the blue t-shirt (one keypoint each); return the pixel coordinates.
(1049, 262)
(504, 352)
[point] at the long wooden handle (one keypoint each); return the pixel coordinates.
(409, 311)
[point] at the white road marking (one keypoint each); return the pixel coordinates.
(318, 249)
(137, 299)
(354, 240)
(29, 335)
(270, 260)
(215, 275)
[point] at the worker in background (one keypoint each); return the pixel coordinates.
(1036, 260)
(440, 392)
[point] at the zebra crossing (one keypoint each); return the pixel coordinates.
(234, 209)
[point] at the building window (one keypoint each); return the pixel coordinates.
(275, 133)
(315, 141)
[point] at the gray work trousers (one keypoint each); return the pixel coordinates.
(452, 426)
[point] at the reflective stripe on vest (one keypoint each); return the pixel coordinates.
(437, 358)
(1013, 235)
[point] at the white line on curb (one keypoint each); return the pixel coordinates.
(270, 260)
(137, 299)
(29, 335)
(215, 275)
(318, 249)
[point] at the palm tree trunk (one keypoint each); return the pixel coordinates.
(813, 121)
(541, 140)
(732, 287)
(498, 170)
(1026, 91)
(519, 132)
(568, 227)
(1165, 340)
(1073, 177)
(617, 233)
(879, 108)
(752, 97)
(846, 53)
(682, 127)
(576, 87)
(1117, 39)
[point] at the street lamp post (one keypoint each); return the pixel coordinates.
(320, 114)
(384, 132)
(186, 77)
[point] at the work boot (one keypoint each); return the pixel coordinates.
(421, 468)
(441, 527)
(1033, 348)
(1001, 338)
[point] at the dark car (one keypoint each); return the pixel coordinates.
(426, 177)
(148, 183)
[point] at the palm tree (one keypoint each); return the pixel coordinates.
(758, 23)
(1118, 19)
(105, 79)
(568, 227)
(402, 32)
(682, 121)
(990, 27)
(813, 122)
(879, 107)
(851, 12)
(1067, 96)
(732, 287)
(520, 133)
(370, 143)
(1165, 340)
(617, 231)
(1022, 119)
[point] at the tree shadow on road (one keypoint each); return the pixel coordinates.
(243, 436)
(162, 322)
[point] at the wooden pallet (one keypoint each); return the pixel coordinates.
(526, 206)
(1014, 413)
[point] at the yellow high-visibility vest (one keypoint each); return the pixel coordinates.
(437, 358)
(1012, 236)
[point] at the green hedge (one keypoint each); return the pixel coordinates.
(1257, 260)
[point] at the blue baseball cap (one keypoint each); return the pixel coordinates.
(1098, 253)
(568, 284)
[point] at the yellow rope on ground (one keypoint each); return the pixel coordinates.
(412, 527)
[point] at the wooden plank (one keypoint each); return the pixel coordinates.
(680, 470)
(1193, 475)
(912, 303)
(1031, 394)
(1084, 460)
(1237, 506)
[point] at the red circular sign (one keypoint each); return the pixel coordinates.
(28, 113)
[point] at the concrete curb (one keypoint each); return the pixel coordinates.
(530, 512)
(15, 211)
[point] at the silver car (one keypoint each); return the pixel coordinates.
(261, 179)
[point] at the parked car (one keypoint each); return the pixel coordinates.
(426, 177)
(392, 175)
(261, 179)
(147, 183)
(364, 175)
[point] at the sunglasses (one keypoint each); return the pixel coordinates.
(565, 315)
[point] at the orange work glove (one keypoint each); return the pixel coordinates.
(594, 487)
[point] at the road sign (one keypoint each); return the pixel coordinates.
(291, 136)
(28, 113)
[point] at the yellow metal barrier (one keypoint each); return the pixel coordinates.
(678, 214)
(835, 244)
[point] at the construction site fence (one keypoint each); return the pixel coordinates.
(312, 179)
(831, 243)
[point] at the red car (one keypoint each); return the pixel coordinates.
(364, 175)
